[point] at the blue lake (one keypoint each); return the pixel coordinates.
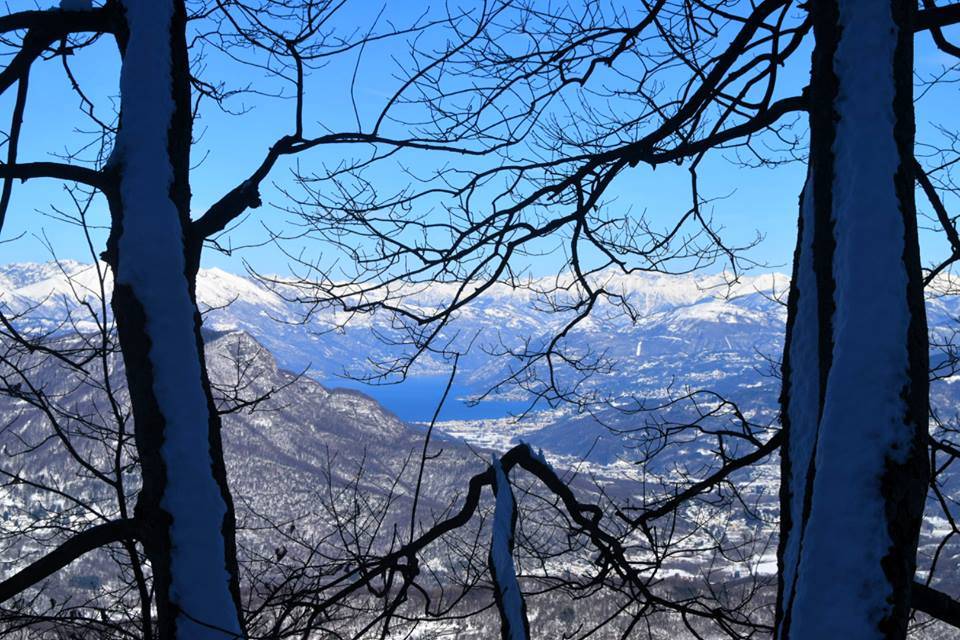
(416, 399)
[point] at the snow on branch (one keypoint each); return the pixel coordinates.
(510, 603)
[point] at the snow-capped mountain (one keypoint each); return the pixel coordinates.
(682, 323)
(688, 333)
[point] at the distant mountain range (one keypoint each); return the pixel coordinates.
(690, 332)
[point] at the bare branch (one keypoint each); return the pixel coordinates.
(80, 544)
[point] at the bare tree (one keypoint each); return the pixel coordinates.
(855, 471)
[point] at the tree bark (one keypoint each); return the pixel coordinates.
(855, 398)
(184, 510)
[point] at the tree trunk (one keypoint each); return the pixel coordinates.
(855, 394)
(184, 511)
(511, 605)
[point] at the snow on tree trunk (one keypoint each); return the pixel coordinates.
(509, 599)
(185, 509)
(800, 397)
(855, 365)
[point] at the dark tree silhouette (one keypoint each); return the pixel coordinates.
(855, 367)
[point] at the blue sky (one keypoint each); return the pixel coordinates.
(750, 201)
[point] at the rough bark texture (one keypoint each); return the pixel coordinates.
(905, 483)
(798, 419)
(900, 481)
(815, 250)
(133, 323)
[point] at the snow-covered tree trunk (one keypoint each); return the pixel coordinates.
(854, 402)
(184, 510)
(506, 588)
